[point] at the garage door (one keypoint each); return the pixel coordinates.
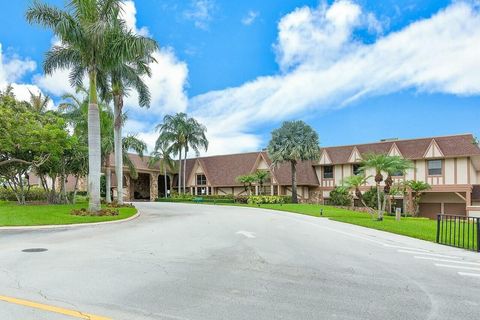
(430, 210)
(455, 208)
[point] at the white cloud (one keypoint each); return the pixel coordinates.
(250, 18)
(12, 69)
(200, 12)
(325, 68)
(129, 14)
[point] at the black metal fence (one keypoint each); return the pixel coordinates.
(459, 231)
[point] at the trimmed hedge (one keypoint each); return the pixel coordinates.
(269, 200)
(35, 194)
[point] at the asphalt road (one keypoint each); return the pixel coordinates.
(185, 261)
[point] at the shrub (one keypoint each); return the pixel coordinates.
(35, 194)
(269, 199)
(340, 196)
(103, 212)
(370, 198)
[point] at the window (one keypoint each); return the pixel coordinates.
(201, 180)
(434, 167)
(328, 172)
(398, 174)
(356, 169)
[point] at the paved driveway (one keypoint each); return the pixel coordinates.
(184, 261)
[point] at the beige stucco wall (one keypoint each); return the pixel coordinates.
(438, 197)
(462, 171)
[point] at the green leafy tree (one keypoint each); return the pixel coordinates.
(354, 183)
(261, 176)
(295, 141)
(247, 180)
(340, 196)
(417, 188)
(90, 44)
(28, 140)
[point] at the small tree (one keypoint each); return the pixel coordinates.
(247, 180)
(418, 188)
(293, 142)
(340, 196)
(260, 177)
(354, 183)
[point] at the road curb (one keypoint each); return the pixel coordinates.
(69, 226)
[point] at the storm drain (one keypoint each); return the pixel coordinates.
(35, 250)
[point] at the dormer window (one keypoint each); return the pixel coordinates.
(201, 180)
(328, 172)
(356, 169)
(434, 167)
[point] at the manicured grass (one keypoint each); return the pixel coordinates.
(11, 214)
(420, 228)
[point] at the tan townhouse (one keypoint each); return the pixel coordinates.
(450, 164)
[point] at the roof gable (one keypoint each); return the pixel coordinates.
(355, 156)
(433, 150)
(394, 151)
(325, 158)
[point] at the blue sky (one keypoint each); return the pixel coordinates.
(357, 71)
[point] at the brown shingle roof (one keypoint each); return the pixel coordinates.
(451, 146)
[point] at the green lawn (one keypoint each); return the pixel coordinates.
(420, 228)
(11, 214)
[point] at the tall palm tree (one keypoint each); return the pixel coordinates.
(380, 163)
(195, 138)
(172, 131)
(295, 141)
(162, 156)
(90, 45)
(124, 76)
(39, 102)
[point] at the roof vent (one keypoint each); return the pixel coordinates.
(388, 139)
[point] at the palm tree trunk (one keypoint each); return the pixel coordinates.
(184, 170)
(75, 189)
(165, 180)
(117, 133)
(379, 203)
(294, 182)
(108, 185)
(94, 147)
(179, 183)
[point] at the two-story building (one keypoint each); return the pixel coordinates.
(450, 164)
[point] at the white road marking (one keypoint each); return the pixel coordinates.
(451, 261)
(428, 254)
(406, 248)
(468, 274)
(247, 234)
(456, 267)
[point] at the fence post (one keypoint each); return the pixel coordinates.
(438, 227)
(478, 234)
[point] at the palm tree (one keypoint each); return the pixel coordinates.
(172, 132)
(295, 141)
(38, 102)
(395, 166)
(418, 188)
(196, 139)
(91, 45)
(161, 155)
(260, 177)
(354, 183)
(124, 76)
(247, 181)
(380, 163)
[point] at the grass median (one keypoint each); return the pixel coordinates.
(420, 228)
(12, 214)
